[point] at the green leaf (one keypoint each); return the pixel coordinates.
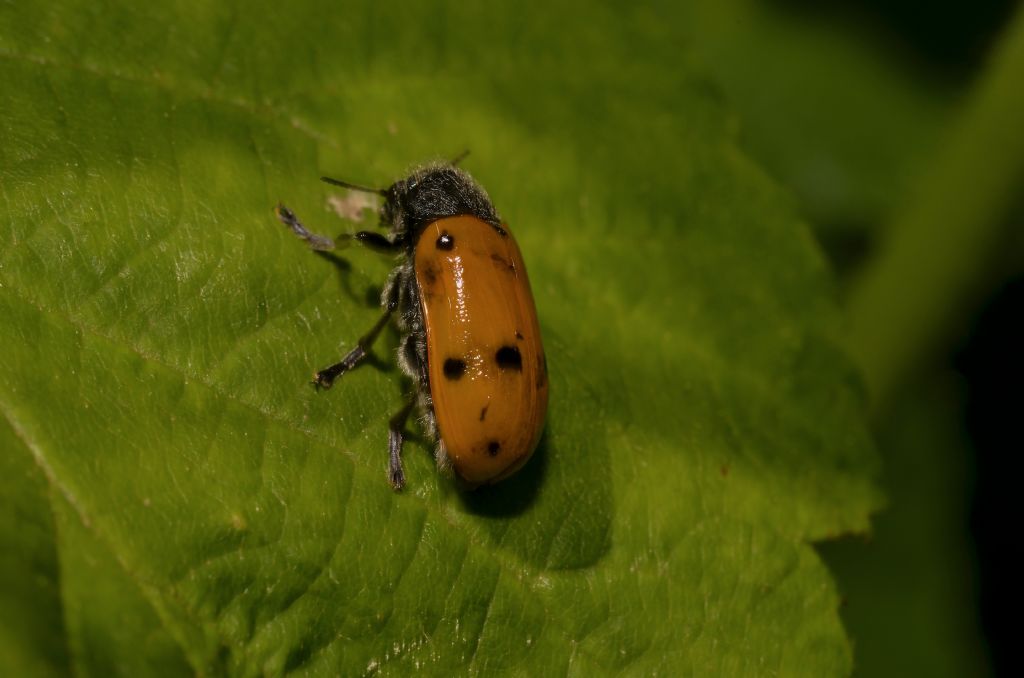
(911, 599)
(207, 507)
(32, 640)
(844, 117)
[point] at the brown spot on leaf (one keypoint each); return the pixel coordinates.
(353, 205)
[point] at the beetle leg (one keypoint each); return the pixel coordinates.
(317, 242)
(325, 377)
(395, 472)
(378, 242)
(321, 243)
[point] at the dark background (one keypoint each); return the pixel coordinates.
(979, 378)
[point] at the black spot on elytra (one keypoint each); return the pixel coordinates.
(454, 368)
(508, 357)
(445, 241)
(483, 411)
(519, 335)
(493, 448)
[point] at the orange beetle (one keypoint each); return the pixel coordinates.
(470, 339)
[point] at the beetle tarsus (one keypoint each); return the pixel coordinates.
(317, 242)
(325, 377)
(396, 474)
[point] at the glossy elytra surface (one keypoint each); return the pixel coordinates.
(488, 377)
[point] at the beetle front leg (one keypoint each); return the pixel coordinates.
(319, 243)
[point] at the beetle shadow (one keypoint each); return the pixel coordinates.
(342, 268)
(514, 495)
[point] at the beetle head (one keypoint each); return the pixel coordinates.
(430, 193)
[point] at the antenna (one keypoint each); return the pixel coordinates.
(354, 187)
(459, 158)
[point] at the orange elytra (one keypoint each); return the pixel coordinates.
(470, 342)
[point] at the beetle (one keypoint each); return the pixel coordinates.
(470, 339)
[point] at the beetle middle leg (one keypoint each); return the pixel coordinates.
(389, 298)
(325, 377)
